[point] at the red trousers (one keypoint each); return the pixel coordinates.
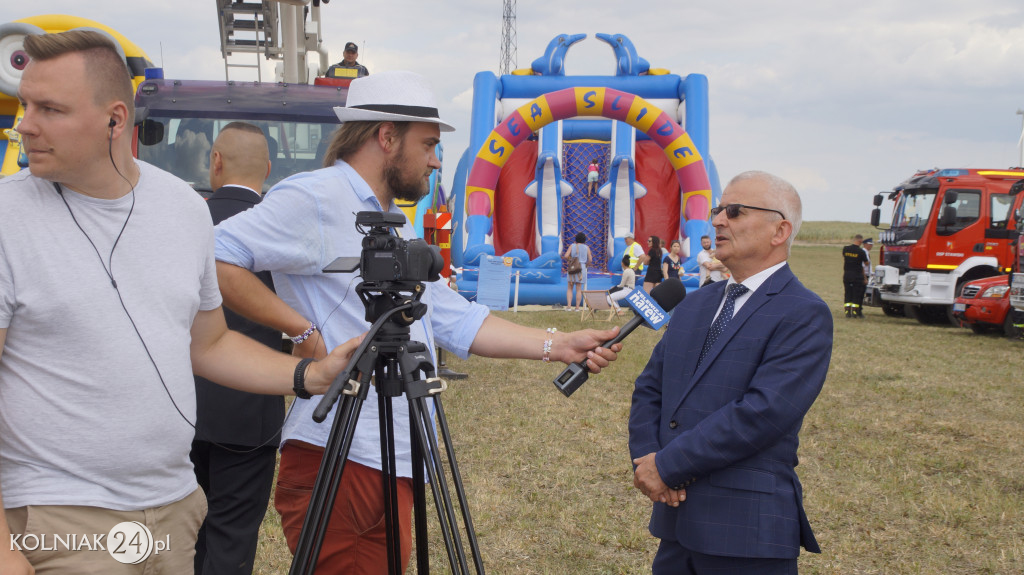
(356, 538)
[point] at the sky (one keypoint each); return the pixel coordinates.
(841, 99)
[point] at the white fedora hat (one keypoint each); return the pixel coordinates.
(391, 97)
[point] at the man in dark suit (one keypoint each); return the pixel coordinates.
(237, 433)
(715, 415)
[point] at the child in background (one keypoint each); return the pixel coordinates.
(593, 173)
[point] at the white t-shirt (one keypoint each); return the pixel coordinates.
(84, 417)
(702, 257)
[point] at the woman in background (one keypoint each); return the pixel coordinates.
(577, 280)
(672, 262)
(652, 259)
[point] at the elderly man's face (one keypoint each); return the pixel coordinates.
(745, 241)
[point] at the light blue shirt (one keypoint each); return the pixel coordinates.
(301, 226)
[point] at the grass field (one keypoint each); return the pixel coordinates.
(912, 458)
(839, 233)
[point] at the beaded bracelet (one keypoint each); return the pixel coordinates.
(304, 335)
(547, 345)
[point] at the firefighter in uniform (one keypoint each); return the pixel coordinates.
(854, 279)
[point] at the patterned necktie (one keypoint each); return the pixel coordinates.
(723, 319)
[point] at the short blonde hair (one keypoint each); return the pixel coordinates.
(105, 68)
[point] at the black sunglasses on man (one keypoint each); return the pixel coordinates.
(732, 211)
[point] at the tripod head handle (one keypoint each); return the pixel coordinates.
(338, 387)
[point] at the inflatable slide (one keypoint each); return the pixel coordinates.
(521, 187)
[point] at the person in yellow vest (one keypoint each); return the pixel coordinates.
(634, 251)
(348, 67)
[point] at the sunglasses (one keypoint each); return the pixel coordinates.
(732, 211)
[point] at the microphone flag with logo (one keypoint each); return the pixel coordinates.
(651, 310)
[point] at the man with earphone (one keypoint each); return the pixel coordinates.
(108, 304)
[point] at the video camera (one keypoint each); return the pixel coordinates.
(387, 257)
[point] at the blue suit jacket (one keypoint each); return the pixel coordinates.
(727, 431)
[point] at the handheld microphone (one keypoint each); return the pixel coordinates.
(652, 312)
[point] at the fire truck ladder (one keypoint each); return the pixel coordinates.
(248, 28)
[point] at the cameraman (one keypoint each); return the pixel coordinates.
(384, 150)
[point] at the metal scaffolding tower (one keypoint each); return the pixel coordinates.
(276, 29)
(508, 38)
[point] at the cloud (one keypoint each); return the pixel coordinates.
(463, 101)
(844, 99)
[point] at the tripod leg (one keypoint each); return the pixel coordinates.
(438, 486)
(390, 485)
(419, 503)
(307, 550)
(460, 489)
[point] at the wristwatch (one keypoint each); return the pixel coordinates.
(300, 378)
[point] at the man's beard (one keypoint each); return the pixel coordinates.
(411, 189)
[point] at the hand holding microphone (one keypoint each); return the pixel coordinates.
(651, 310)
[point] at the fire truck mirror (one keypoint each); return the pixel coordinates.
(950, 198)
(878, 199)
(151, 132)
(876, 216)
(948, 216)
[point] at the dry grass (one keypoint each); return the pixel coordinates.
(911, 458)
(837, 233)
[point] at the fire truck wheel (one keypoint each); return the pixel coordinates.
(952, 319)
(893, 309)
(927, 314)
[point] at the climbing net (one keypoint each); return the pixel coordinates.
(583, 211)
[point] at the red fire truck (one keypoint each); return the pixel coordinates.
(1017, 280)
(948, 227)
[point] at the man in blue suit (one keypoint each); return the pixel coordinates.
(716, 413)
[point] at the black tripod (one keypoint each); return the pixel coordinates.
(395, 364)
